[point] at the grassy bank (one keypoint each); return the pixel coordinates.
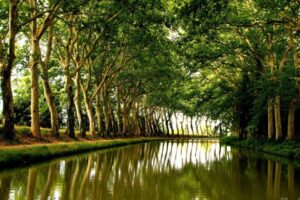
(24, 154)
(288, 149)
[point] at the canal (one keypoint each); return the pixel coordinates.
(168, 170)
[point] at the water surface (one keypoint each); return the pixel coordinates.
(179, 170)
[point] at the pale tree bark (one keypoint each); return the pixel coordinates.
(291, 119)
(294, 101)
(166, 122)
(151, 122)
(70, 98)
(146, 120)
(192, 126)
(156, 119)
(187, 125)
(198, 123)
(128, 96)
(6, 70)
(273, 105)
(169, 115)
(90, 113)
(278, 125)
(35, 117)
(277, 106)
(65, 60)
(136, 120)
(176, 122)
(99, 115)
(161, 114)
(89, 104)
(77, 100)
(270, 120)
(207, 127)
(47, 88)
(119, 111)
(125, 120)
(107, 119)
(70, 107)
(182, 125)
(112, 117)
(34, 60)
(271, 61)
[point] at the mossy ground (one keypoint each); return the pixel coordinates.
(20, 155)
(288, 149)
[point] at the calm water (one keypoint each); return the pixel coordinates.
(171, 170)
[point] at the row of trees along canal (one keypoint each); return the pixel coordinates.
(127, 68)
(98, 66)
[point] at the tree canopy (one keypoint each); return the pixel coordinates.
(123, 68)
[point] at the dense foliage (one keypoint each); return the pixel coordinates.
(120, 68)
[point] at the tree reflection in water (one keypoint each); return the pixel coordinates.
(160, 170)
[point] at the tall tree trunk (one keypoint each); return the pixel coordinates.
(200, 127)
(33, 63)
(107, 119)
(99, 115)
(207, 126)
(125, 120)
(191, 124)
(78, 107)
(167, 123)
(156, 119)
(187, 125)
(197, 126)
(147, 131)
(47, 89)
(271, 103)
(119, 113)
(293, 104)
(112, 118)
(291, 119)
(8, 107)
(270, 120)
(182, 125)
(170, 122)
(151, 123)
(52, 107)
(176, 122)
(277, 113)
(89, 109)
(136, 120)
(70, 107)
(90, 113)
(6, 69)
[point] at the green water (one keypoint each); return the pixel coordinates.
(170, 170)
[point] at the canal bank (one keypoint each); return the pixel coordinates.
(287, 149)
(20, 155)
